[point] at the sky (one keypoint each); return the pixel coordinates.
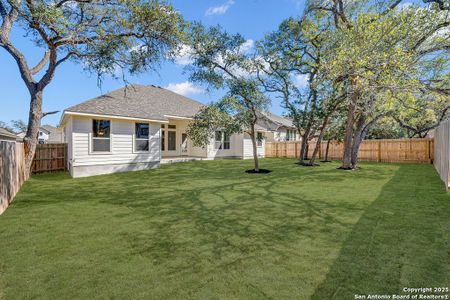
(72, 85)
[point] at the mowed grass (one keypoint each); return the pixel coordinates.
(207, 230)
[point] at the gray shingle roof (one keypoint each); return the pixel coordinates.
(279, 120)
(140, 101)
(6, 133)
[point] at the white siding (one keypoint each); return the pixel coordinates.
(68, 140)
(234, 151)
(248, 147)
(122, 144)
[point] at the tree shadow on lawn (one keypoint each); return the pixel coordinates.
(208, 230)
(401, 240)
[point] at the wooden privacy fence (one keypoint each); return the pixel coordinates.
(402, 150)
(442, 152)
(50, 158)
(12, 171)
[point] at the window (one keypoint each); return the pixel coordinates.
(163, 139)
(259, 139)
(226, 141)
(222, 140)
(218, 140)
(101, 137)
(172, 146)
(172, 126)
(291, 135)
(141, 137)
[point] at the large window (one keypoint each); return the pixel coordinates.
(172, 140)
(101, 135)
(259, 139)
(291, 135)
(226, 140)
(141, 137)
(218, 140)
(222, 140)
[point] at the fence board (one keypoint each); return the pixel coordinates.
(49, 158)
(12, 171)
(401, 150)
(442, 152)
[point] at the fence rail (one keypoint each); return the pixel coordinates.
(12, 171)
(402, 150)
(50, 158)
(442, 152)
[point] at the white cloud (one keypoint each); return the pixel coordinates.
(184, 88)
(184, 56)
(219, 10)
(301, 80)
(247, 46)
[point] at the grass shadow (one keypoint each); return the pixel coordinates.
(401, 240)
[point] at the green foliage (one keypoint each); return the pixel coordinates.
(104, 36)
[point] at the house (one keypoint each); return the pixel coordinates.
(6, 135)
(47, 135)
(139, 127)
(282, 129)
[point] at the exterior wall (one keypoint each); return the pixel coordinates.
(248, 147)
(280, 136)
(122, 157)
(234, 151)
(84, 171)
(56, 137)
(43, 137)
(181, 126)
(68, 140)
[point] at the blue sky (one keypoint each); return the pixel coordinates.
(72, 85)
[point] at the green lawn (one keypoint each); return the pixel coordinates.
(207, 230)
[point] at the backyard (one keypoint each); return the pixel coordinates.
(208, 230)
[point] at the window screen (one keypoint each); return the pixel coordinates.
(101, 135)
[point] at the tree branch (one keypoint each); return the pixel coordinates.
(439, 2)
(41, 64)
(50, 113)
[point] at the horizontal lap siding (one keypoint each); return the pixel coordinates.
(248, 147)
(122, 133)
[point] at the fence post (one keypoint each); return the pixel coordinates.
(379, 151)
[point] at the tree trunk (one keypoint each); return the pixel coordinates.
(326, 151)
(31, 137)
(348, 140)
(255, 149)
(304, 147)
(319, 141)
(357, 139)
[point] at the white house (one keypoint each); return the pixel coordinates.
(47, 135)
(139, 127)
(282, 129)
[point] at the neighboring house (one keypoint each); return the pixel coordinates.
(282, 129)
(54, 135)
(6, 135)
(47, 135)
(136, 128)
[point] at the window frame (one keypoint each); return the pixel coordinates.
(220, 144)
(168, 140)
(135, 138)
(92, 138)
(225, 142)
(259, 142)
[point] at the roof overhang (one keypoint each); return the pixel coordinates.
(72, 113)
(178, 118)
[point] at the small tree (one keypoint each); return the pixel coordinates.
(221, 60)
(104, 35)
